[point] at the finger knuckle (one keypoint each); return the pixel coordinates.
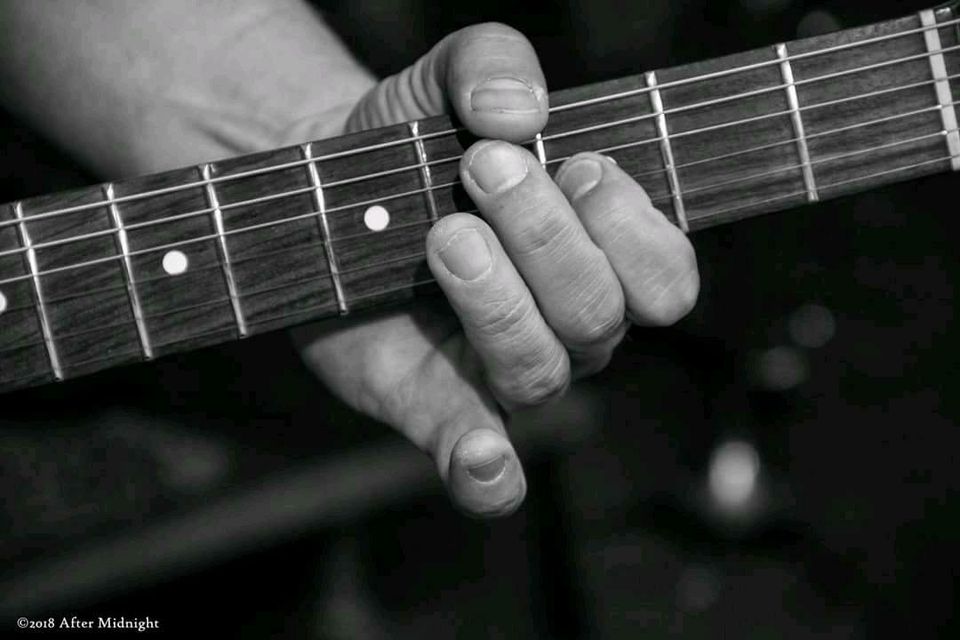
(539, 384)
(545, 233)
(598, 322)
(511, 317)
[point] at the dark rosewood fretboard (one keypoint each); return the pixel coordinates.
(120, 273)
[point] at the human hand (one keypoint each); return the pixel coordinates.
(541, 283)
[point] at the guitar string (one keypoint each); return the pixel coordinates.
(312, 214)
(700, 189)
(759, 65)
(314, 309)
(306, 190)
(613, 97)
(272, 253)
(698, 222)
(701, 219)
(290, 193)
(231, 329)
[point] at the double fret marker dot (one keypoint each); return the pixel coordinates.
(376, 218)
(3, 302)
(175, 262)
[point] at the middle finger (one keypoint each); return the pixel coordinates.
(573, 283)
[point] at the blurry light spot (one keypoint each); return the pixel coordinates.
(3, 302)
(780, 368)
(818, 22)
(196, 468)
(175, 262)
(812, 326)
(732, 478)
(376, 218)
(697, 589)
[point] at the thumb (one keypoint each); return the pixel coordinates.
(488, 75)
(416, 374)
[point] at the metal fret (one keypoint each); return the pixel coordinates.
(52, 354)
(135, 305)
(424, 169)
(541, 151)
(938, 67)
(321, 205)
(214, 203)
(656, 100)
(793, 100)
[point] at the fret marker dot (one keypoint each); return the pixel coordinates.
(175, 262)
(3, 302)
(376, 218)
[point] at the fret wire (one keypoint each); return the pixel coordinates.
(362, 296)
(795, 167)
(714, 214)
(85, 332)
(608, 98)
(51, 347)
(294, 192)
(426, 178)
(666, 150)
(142, 281)
(320, 202)
(281, 316)
(237, 176)
(938, 69)
(710, 103)
(234, 205)
(356, 235)
(221, 236)
(132, 293)
(809, 136)
(541, 152)
(287, 285)
(696, 221)
(750, 67)
(786, 73)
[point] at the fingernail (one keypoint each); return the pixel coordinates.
(488, 471)
(466, 255)
(580, 177)
(497, 166)
(505, 95)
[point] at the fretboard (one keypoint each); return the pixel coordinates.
(131, 271)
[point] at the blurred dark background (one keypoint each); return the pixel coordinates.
(781, 464)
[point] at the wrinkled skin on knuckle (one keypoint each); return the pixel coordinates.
(597, 313)
(507, 318)
(536, 383)
(545, 234)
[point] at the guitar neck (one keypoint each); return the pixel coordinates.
(126, 272)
